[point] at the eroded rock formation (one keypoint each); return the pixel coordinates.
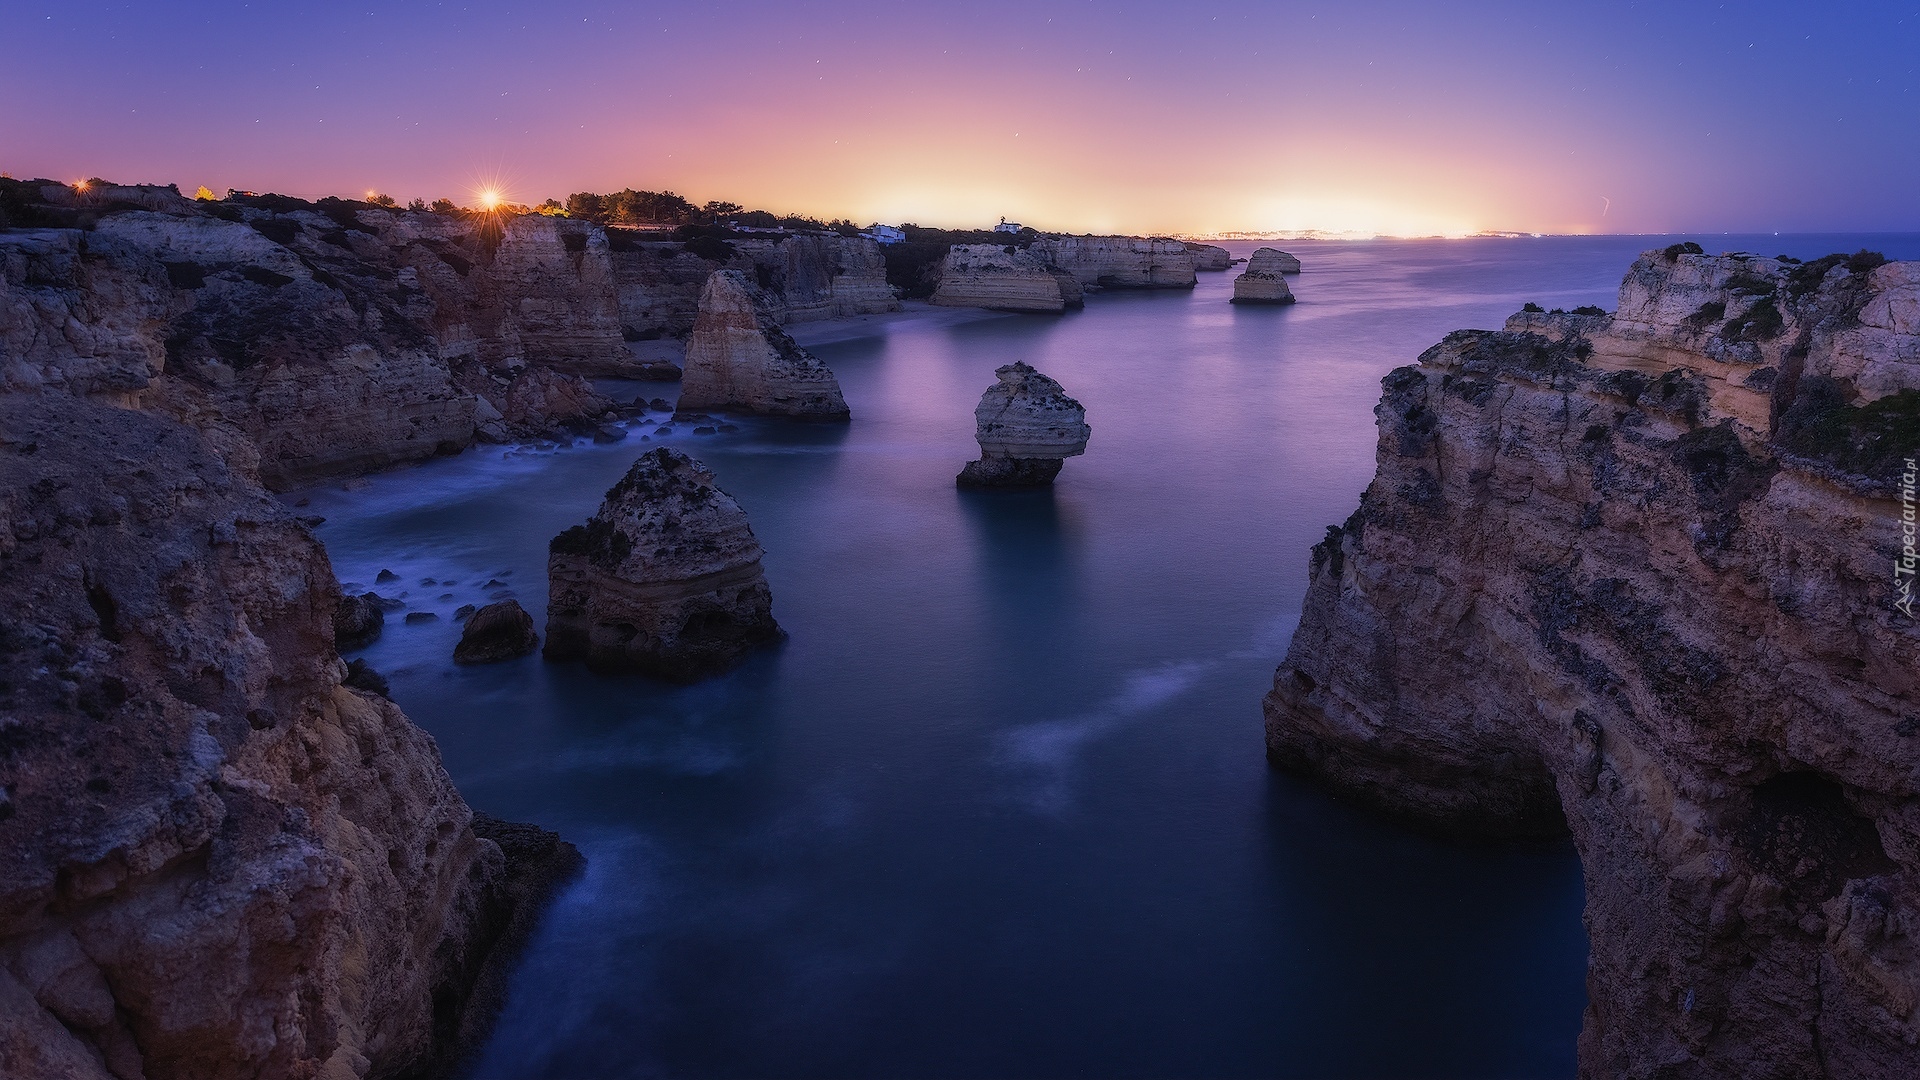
(1002, 278)
(216, 860)
(802, 277)
(1262, 283)
(1209, 258)
(664, 579)
(1639, 576)
(739, 359)
(1119, 262)
(1027, 427)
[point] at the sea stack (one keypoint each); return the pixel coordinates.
(739, 360)
(502, 631)
(664, 579)
(1262, 283)
(1027, 428)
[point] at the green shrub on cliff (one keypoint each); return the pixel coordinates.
(1871, 440)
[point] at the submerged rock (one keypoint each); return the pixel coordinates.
(499, 631)
(739, 359)
(664, 579)
(1262, 283)
(357, 621)
(1026, 425)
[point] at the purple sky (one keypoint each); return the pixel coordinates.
(1091, 115)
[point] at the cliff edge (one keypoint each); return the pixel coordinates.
(1641, 577)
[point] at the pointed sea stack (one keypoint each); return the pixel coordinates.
(664, 579)
(1027, 427)
(1262, 283)
(739, 360)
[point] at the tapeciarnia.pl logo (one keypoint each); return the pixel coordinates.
(1903, 567)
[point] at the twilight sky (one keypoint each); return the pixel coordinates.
(1085, 115)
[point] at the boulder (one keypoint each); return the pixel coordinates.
(1262, 283)
(1026, 426)
(357, 621)
(499, 631)
(664, 579)
(739, 359)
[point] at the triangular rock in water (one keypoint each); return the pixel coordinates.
(1026, 426)
(664, 579)
(1262, 283)
(739, 360)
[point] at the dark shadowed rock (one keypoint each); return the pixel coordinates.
(496, 632)
(357, 621)
(664, 579)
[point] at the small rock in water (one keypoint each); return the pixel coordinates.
(609, 433)
(445, 596)
(460, 613)
(313, 521)
(494, 583)
(385, 576)
(428, 581)
(386, 603)
(729, 427)
(500, 594)
(705, 430)
(421, 616)
(660, 403)
(497, 632)
(304, 502)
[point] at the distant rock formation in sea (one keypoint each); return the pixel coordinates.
(1262, 283)
(1120, 262)
(1642, 577)
(1209, 258)
(739, 359)
(1003, 278)
(802, 277)
(1026, 426)
(217, 858)
(664, 579)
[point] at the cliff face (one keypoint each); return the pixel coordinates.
(991, 276)
(1210, 258)
(739, 359)
(1634, 576)
(339, 339)
(804, 277)
(1120, 262)
(215, 860)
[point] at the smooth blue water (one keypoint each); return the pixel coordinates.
(998, 808)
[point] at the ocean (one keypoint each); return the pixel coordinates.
(998, 806)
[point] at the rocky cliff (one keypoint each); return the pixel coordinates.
(739, 359)
(1120, 262)
(1209, 258)
(338, 337)
(1004, 278)
(1642, 577)
(215, 859)
(803, 277)
(664, 579)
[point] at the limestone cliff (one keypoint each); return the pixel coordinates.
(1640, 577)
(1120, 262)
(803, 277)
(1004, 278)
(664, 579)
(1209, 258)
(338, 337)
(215, 859)
(739, 359)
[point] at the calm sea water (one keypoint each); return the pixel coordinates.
(998, 808)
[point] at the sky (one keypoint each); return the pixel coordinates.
(1078, 115)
